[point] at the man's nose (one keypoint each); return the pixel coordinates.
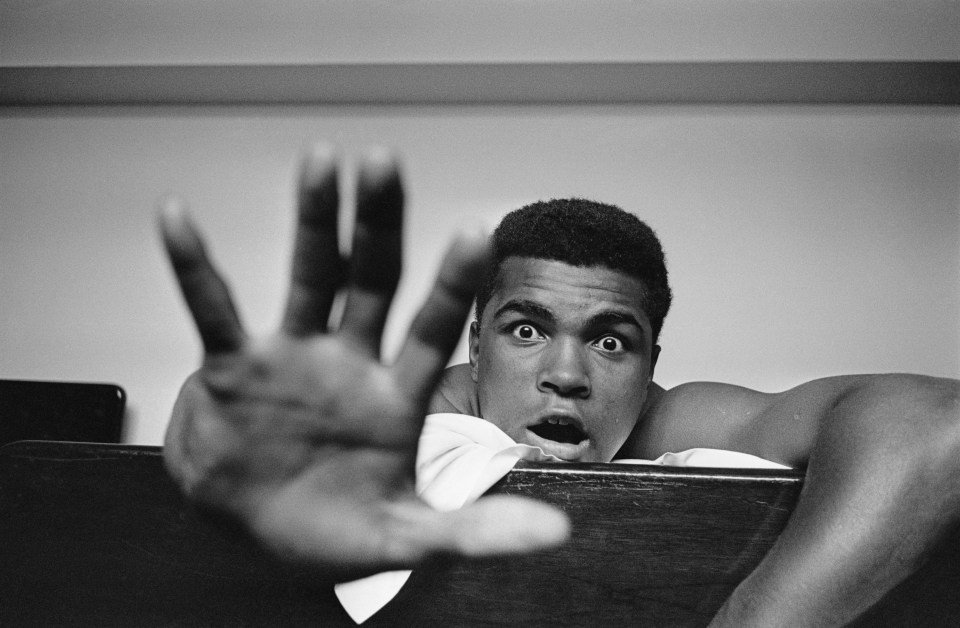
(563, 370)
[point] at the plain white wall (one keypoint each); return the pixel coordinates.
(133, 32)
(802, 241)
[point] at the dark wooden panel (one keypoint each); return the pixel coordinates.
(98, 535)
(651, 546)
(792, 82)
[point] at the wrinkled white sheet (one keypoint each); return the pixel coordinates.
(459, 458)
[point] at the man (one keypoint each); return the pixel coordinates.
(308, 442)
(564, 346)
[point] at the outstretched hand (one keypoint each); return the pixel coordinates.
(304, 437)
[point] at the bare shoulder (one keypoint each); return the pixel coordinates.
(696, 414)
(456, 393)
(779, 426)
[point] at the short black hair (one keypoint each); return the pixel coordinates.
(581, 233)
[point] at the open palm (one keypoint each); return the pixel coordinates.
(304, 437)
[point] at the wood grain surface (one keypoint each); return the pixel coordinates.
(99, 535)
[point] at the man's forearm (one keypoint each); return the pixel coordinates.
(882, 486)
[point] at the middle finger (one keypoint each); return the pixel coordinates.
(376, 257)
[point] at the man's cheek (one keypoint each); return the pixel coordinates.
(622, 418)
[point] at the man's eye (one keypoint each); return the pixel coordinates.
(526, 332)
(610, 344)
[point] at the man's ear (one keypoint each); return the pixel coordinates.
(654, 354)
(474, 349)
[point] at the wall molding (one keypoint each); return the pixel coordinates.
(762, 82)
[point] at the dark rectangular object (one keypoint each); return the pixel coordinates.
(99, 535)
(718, 82)
(68, 411)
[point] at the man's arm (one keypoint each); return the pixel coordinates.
(882, 484)
(304, 438)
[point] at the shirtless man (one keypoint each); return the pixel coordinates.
(305, 439)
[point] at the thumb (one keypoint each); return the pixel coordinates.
(491, 526)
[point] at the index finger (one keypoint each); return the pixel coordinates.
(439, 323)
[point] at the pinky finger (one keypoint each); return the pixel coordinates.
(205, 293)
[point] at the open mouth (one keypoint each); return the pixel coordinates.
(559, 430)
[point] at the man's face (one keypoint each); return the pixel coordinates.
(563, 357)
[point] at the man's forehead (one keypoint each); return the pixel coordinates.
(556, 281)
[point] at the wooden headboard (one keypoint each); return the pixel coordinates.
(99, 535)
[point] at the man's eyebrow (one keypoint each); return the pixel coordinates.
(526, 308)
(612, 317)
